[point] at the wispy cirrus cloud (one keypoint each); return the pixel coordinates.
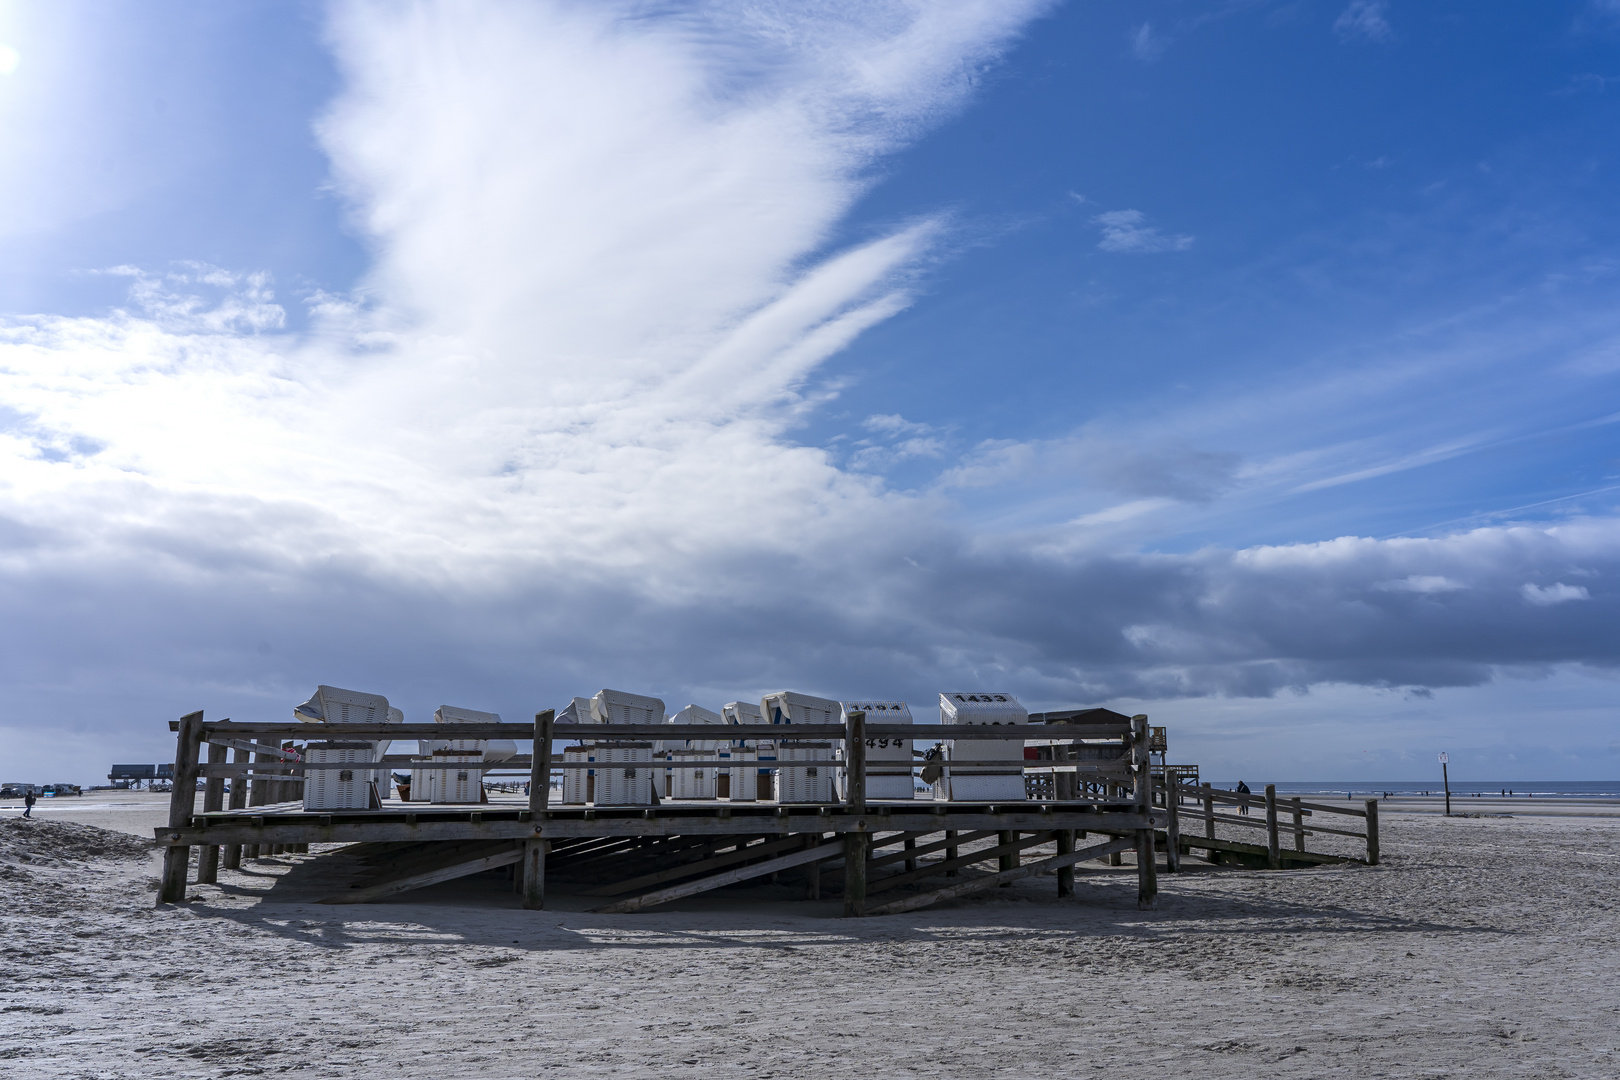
(1127, 232)
(1364, 20)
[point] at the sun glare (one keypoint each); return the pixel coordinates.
(8, 59)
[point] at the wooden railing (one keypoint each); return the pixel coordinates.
(1206, 799)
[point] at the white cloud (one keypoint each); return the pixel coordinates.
(1556, 593)
(556, 440)
(1127, 232)
(1146, 45)
(1363, 20)
(1425, 584)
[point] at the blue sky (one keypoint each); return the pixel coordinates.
(1251, 364)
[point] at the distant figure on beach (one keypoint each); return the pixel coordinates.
(1243, 789)
(28, 803)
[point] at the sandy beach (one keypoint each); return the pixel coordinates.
(1482, 947)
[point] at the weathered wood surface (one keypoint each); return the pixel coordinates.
(512, 854)
(1005, 877)
(1260, 851)
(1273, 843)
(856, 841)
(741, 873)
(1372, 832)
(182, 801)
(702, 866)
(523, 732)
(298, 827)
(933, 869)
(213, 800)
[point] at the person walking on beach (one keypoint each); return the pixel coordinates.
(28, 803)
(1243, 807)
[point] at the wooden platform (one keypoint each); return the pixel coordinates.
(881, 856)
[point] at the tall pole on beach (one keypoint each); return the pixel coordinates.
(1445, 779)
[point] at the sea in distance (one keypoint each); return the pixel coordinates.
(1366, 789)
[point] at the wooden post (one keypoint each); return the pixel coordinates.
(1172, 828)
(233, 852)
(911, 845)
(1299, 824)
(812, 871)
(1209, 811)
(855, 842)
(1372, 832)
(1273, 848)
(258, 795)
(1008, 861)
(1065, 875)
(1147, 878)
(951, 852)
(534, 849)
(182, 801)
(213, 799)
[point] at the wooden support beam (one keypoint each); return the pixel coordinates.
(741, 873)
(1258, 853)
(534, 851)
(989, 881)
(534, 874)
(238, 800)
(1209, 812)
(855, 843)
(1372, 832)
(1065, 874)
(730, 858)
(928, 870)
(422, 879)
(912, 854)
(292, 825)
(182, 802)
(1172, 829)
(1147, 877)
(213, 800)
(1273, 846)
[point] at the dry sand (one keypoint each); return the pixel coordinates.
(1484, 947)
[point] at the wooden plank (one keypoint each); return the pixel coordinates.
(1005, 877)
(924, 849)
(213, 801)
(1172, 829)
(428, 877)
(741, 873)
(1259, 850)
(424, 857)
(391, 826)
(922, 873)
(675, 873)
(182, 801)
(233, 852)
(525, 732)
(1299, 824)
(1236, 798)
